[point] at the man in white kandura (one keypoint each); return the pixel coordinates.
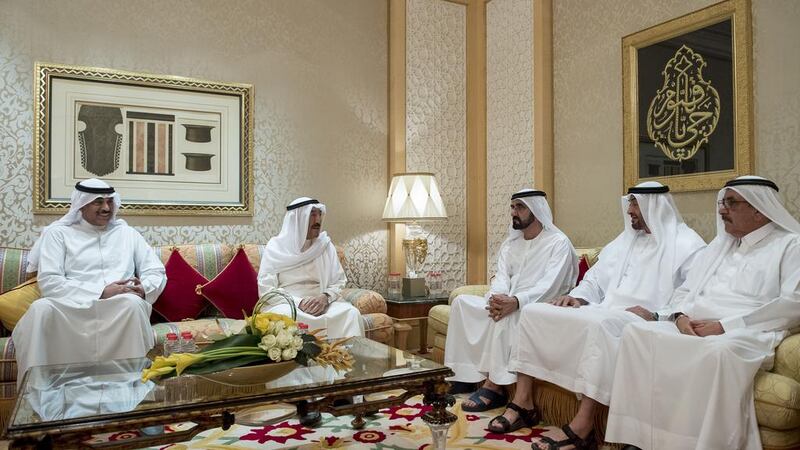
(536, 262)
(689, 384)
(302, 261)
(99, 279)
(573, 341)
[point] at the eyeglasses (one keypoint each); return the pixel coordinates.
(729, 203)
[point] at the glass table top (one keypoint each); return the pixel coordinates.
(85, 392)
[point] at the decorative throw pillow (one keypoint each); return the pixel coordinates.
(180, 299)
(235, 289)
(15, 302)
(583, 267)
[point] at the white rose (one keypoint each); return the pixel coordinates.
(279, 325)
(274, 354)
(297, 342)
(284, 339)
(289, 354)
(292, 329)
(267, 342)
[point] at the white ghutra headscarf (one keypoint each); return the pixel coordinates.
(762, 194)
(285, 251)
(662, 218)
(536, 201)
(85, 192)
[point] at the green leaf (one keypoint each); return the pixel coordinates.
(225, 364)
(237, 340)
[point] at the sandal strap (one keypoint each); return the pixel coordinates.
(576, 440)
(529, 416)
(505, 425)
(490, 395)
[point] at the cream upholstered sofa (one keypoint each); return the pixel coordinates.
(209, 260)
(777, 392)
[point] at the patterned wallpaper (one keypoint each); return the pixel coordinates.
(436, 123)
(320, 74)
(588, 108)
(509, 113)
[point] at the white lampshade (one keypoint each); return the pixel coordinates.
(414, 197)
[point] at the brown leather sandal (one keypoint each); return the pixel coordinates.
(589, 443)
(525, 418)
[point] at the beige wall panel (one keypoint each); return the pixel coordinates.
(587, 97)
(320, 74)
(436, 123)
(509, 111)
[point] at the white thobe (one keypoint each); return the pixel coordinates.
(532, 270)
(585, 340)
(675, 391)
(71, 323)
(341, 319)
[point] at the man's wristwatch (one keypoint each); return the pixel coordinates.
(674, 316)
(655, 316)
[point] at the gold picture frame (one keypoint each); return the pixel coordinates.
(170, 145)
(693, 120)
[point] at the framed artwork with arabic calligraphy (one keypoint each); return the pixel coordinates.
(169, 145)
(687, 99)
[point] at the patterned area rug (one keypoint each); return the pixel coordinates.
(396, 428)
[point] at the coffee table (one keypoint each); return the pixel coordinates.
(61, 406)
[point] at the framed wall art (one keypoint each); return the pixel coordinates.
(687, 99)
(170, 145)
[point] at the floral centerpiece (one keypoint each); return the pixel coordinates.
(267, 338)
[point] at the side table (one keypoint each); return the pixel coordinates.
(412, 309)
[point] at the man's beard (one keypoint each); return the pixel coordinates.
(518, 224)
(637, 224)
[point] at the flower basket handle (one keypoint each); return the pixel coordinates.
(273, 297)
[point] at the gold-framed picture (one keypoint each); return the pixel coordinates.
(687, 99)
(169, 145)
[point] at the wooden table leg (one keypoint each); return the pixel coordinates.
(401, 335)
(423, 336)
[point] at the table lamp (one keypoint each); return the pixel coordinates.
(414, 197)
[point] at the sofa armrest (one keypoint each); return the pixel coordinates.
(787, 358)
(364, 300)
(472, 289)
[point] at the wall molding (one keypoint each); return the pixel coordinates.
(543, 98)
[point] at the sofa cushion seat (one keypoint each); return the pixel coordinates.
(777, 400)
(438, 318)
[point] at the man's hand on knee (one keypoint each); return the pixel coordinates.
(566, 300)
(705, 328)
(501, 305)
(129, 286)
(314, 306)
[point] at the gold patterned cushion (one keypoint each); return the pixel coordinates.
(378, 327)
(472, 289)
(364, 300)
(15, 302)
(777, 400)
(779, 440)
(787, 357)
(438, 318)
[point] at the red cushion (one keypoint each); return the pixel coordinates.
(180, 300)
(235, 288)
(583, 266)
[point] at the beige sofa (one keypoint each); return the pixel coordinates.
(777, 392)
(209, 260)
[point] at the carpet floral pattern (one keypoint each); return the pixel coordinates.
(395, 428)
